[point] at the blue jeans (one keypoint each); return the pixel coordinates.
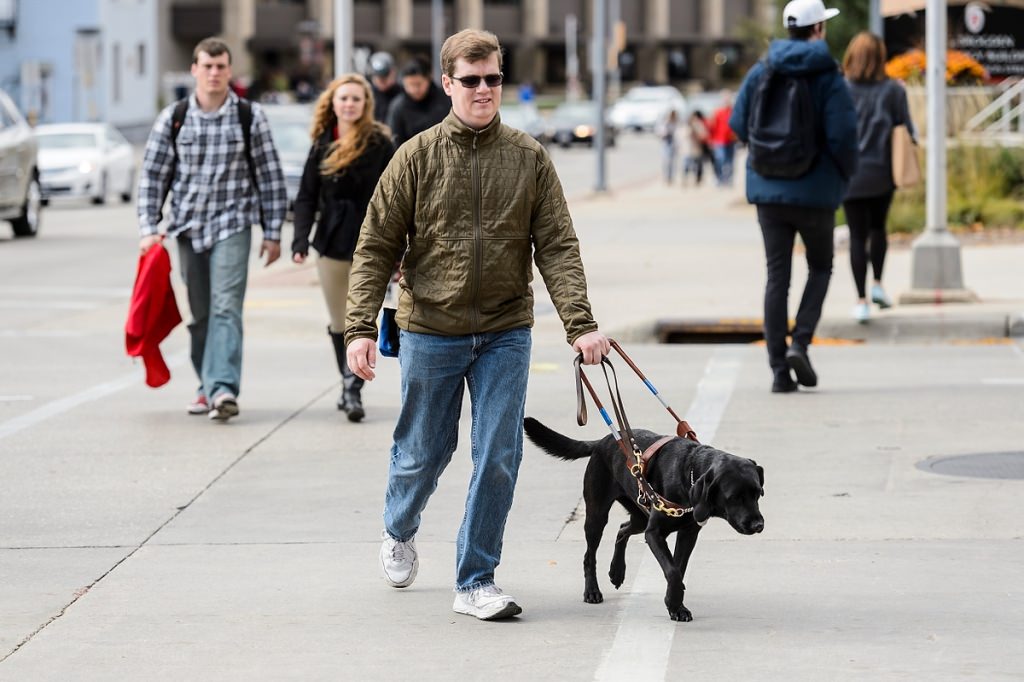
(435, 369)
(723, 157)
(216, 281)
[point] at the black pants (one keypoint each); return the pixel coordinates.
(779, 226)
(866, 218)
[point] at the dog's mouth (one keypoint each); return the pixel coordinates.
(752, 527)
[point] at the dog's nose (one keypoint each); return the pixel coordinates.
(758, 525)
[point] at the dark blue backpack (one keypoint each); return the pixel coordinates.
(782, 125)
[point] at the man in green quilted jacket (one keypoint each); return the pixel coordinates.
(467, 206)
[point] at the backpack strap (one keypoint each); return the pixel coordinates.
(245, 120)
(177, 119)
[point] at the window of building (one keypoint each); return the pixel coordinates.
(141, 56)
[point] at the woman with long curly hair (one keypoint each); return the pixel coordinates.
(350, 151)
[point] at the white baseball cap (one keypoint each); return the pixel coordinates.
(806, 13)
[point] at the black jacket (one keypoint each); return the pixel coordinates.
(880, 107)
(407, 117)
(341, 199)
(382, 100)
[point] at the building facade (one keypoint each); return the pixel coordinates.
(678, 41)
(80, 60)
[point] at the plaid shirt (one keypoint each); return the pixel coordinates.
(212, 197)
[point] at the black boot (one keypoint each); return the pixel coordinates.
(350, 400)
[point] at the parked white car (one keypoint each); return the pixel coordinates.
(19, 180)
(645, 105)
(289, 126)
(85, 160)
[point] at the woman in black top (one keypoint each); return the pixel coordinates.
(881, 105)
(350, 151)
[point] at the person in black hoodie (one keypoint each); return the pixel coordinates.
(423, 105)
(350, 151)
(384, 81)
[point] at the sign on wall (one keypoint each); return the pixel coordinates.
(994, 36)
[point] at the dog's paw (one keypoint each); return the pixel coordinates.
(682, 615)
(593, 596)
(617, 574)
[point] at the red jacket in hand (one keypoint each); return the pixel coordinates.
(153, 314)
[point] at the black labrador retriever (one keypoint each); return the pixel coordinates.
(713, 482)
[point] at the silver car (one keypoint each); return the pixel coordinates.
(289, 126)
(20, 197)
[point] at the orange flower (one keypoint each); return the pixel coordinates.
(961, 68)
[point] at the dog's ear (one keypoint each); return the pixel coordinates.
(702, 495)
(760, 474)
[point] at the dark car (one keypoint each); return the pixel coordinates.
(576, 122)
(20, 196)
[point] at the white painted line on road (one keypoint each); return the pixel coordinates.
(30, 290)
(643, 640)
(1003, 382)
(29, 334)
(47, 305)
(57, 407)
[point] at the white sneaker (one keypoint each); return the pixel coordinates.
(486, 603)
(861, 313)
(398, 560)
(879, 296)
(225, 406)
(199, 405)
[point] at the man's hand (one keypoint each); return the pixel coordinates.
(147, 242)
(362, 358)
(272, 251)
(298, 258)
(594, 346)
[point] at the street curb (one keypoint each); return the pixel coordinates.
(891, 329)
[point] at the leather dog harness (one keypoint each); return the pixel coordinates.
(647, 497)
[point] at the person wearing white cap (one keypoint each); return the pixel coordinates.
(800, 13)
(795, 112)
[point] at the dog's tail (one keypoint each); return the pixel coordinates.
(554, 443)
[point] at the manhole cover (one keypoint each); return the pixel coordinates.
(983, 465)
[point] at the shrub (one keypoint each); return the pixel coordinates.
(985, 187)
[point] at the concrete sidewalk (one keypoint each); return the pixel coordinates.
(138, 543)
(696, 253)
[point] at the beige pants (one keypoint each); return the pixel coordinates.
(334, 281)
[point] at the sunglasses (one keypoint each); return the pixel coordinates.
(493, 80)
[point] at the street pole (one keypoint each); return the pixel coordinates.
(598, 65)
(875, 22)
(342, 37)
(935, 271)
(572, 59)
(616, 84)
(436, 35)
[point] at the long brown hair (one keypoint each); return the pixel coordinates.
(349, 147)
(864, 61)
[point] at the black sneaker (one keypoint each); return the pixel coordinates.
(783, 383)
(797, 360)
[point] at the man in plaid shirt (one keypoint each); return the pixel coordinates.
(214, 204)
